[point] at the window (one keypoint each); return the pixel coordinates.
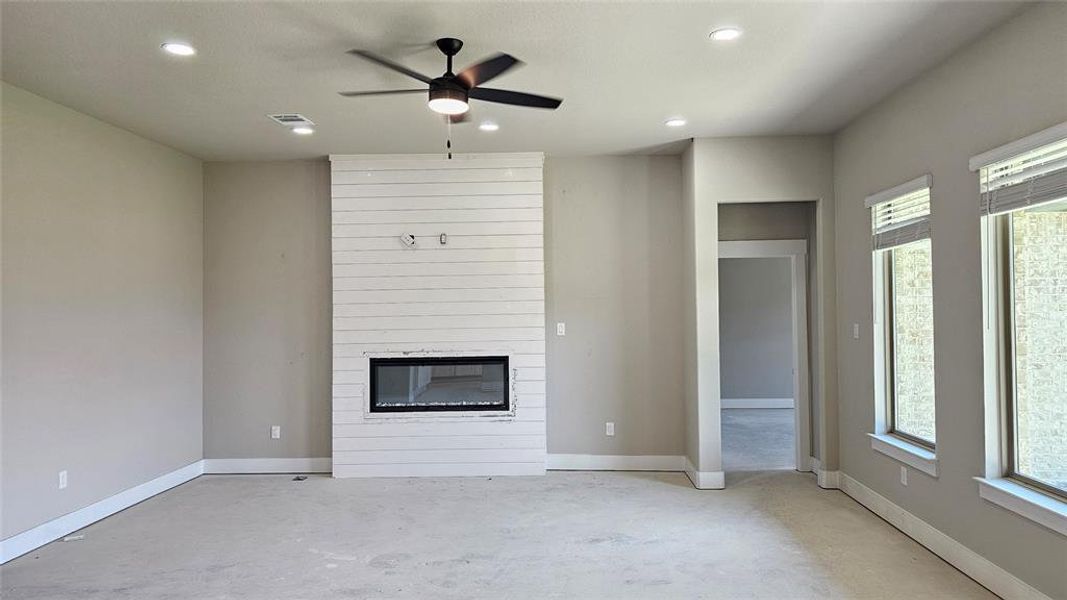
(904, 313)
(910, 333)
(1024, 202)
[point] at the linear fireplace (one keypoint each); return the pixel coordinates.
(433, 384)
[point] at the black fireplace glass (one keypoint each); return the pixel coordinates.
(430, 384)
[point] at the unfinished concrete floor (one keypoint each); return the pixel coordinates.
(769, 535)
(758, 439)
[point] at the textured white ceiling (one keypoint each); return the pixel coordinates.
(622, 69)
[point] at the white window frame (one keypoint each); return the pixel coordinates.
(883, 440)
(995, 485)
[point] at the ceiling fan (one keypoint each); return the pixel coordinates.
(450, 93)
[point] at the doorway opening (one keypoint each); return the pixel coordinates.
(763, 355)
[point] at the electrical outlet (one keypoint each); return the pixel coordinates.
(275, 432)
(62, 480)
(609, 428)
(561, 329)
(855, 331)
(903, 476)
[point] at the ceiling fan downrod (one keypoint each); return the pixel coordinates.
(449, 47)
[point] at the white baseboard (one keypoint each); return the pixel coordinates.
(219, 466)
(403, 470)
(756, 403)
(974, 565)
(704, 480)
(614, 462)
(828, 480)
(30, 540)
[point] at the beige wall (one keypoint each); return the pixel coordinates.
(756, 327)
(267, 309)
(766, 221)
(1008, 85)
(102, 248)
(613, 251)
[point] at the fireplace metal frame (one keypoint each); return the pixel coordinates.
(423, 361)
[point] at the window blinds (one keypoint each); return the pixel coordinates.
(1034, 177)
(901, 215)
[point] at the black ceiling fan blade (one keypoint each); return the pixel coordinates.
(489, 68)
(515, 98)
(385, 62)
(380, 93)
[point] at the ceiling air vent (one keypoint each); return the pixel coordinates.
(291, 120)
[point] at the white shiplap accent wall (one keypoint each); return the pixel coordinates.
(483, 293)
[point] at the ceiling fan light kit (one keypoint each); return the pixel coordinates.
(448, 101)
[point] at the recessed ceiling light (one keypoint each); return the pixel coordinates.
(303, 130)
(178, 49)
(488, 126)
(675, 122)
(725, 34)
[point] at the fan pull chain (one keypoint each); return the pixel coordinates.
(448, 144)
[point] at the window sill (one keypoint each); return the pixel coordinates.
(913, 455)
(1032, 504)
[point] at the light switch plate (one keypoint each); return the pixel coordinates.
(609, 428)
(62, 480)
(561, 328)
(275, 432)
